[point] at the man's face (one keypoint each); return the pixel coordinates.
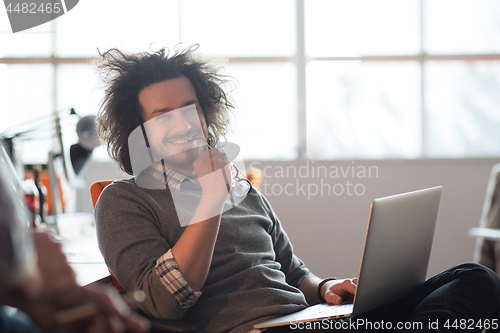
(174, 135)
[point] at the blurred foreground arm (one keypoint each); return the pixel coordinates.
(52, 288)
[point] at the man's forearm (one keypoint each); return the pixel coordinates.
(194, 250)
(309, 288)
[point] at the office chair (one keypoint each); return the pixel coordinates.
(487, 250)
(157, 325)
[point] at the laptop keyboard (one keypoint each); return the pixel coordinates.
(328, 311)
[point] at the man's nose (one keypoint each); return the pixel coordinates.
(180, 124)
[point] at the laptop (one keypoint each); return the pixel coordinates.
(395, 256)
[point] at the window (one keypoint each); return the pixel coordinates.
(319, 79)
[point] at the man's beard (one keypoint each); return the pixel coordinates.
(184, 160)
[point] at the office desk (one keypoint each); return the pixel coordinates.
(85, 258)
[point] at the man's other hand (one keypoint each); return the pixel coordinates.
(339, 291)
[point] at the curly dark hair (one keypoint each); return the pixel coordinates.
(125, 75)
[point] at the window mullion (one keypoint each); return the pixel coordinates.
(301, 63)
(422, 58)
(55, 62)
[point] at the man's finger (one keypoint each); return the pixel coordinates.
(332, 298)
(216, 156)
(340, 292)
(349, 286)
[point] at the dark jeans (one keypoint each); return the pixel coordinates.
(463, 298)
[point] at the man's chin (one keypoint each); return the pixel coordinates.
(179, 165)
(182, 161)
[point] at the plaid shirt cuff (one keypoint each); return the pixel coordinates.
(169, 274)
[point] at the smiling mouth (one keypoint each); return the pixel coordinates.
(184, 140)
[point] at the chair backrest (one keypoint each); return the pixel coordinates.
(96, 189)
(486, 252)
(95, 193)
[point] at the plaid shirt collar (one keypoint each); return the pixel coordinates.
(174, 179)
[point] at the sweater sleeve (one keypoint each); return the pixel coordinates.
(171, 277)
(131, 244)
(294, 269)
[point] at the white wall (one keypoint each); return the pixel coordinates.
(328, 231)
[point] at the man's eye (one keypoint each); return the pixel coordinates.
(191, 111)
(162, 117)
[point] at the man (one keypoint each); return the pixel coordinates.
(36, 278)
(231, 265)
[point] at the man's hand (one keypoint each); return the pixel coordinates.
(211, 167)
(338, 291)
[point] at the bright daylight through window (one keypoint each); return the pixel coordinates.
(317, 79)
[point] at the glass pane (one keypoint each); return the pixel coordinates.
(77, 87)
(26, 93)
(34, 42)
(362, 27)
(462, 108)
(240, 28)
(138, 24)
(265, 120)
(462, 26)
(363, 110)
